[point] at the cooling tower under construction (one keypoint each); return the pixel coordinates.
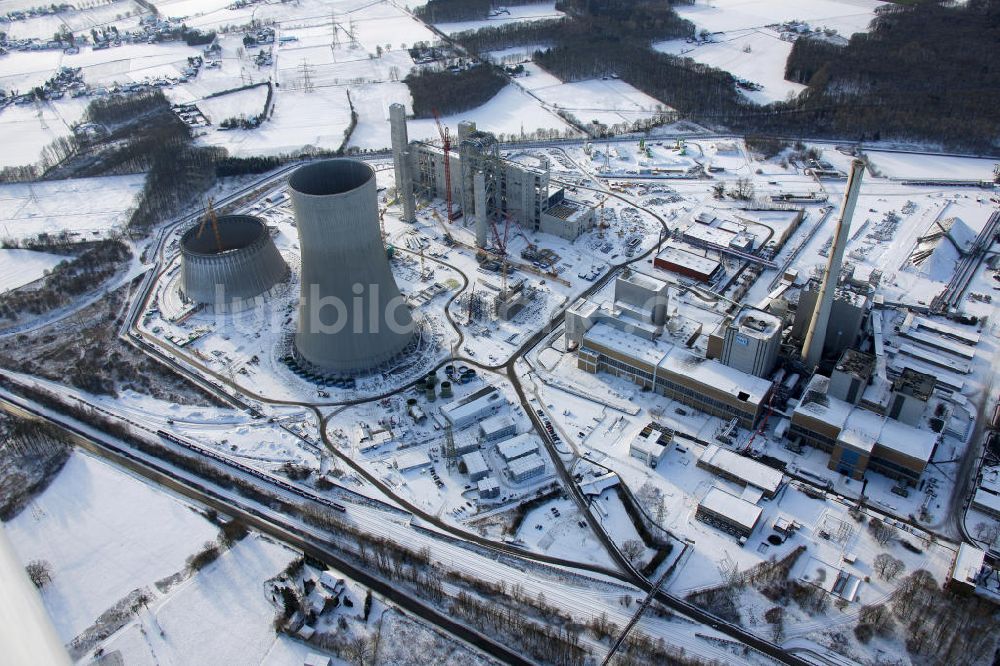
(231, 264)
(352, 318)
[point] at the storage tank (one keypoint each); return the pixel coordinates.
(232, 269)
(352, 317)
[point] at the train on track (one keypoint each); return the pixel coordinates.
(270, 478)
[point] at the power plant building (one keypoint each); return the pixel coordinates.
(749, 342)
(352, 318)
(847, 315)
(705, 384)
(232, 265)
(485, 186)
(859, 440)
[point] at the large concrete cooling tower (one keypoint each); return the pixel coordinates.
(351, 315)
(232, 267)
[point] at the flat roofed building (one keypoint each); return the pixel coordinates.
(409, 461)
(475, 465)
(744, 471)
(704, 384)
(987, 502)
(488, 488)
(651, 444)
(965, 571)
(678, 259)
(497, 427)
(910, 393)
(526, 467)
(469, 409)
(728, 512)
(517, 447)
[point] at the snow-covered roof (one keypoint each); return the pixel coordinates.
(496, 423)
(817, 404)
(968, 563)
(716, 375)
(515, 447)
(861, 430)
(597, 485)
(679, 256)
(907, 440)
(472, 404)
(709, 234)
(991, 480)
(732, 507)
(526, 464)
(487, 484)
(475, 463)
(414, 459)
(650, 353)
(750, 471)
(986, 501)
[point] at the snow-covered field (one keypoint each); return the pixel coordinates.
(902, 165)
(104, 533)
(609, 102)
(19, 267)
(540, 11)
(86, 207)
(221, 616)
(764, 63)
(844, 16)
(27, 129)
(745, 43)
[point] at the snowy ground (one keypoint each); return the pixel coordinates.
(19, 267)
(746, 42)
(105, 534)
(763, 63)
(86, 208)
(518, 14)
(221, 615)
(609, 102)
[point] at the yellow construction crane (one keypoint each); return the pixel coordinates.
(210, 215)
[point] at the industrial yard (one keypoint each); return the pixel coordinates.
(566, 377)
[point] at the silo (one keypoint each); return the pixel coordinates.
(352, 318)
(231, 265)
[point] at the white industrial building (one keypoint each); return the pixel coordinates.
(409, 461)
(526, 467)
(474, 407)
(744, 471)
(498, 426)
(475, 465)
(651, 444)
(517, 447)
(728, 512)
(488, 488)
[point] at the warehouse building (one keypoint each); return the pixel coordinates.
(496, 427)
(526, 467)
(744, 471)
(475, 465)
(488, 488)
(688, 262)
(728, 513)
(474, 407)
(517, 447)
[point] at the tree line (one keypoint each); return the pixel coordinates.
(452, 92)
(442, 11)
(923, 72)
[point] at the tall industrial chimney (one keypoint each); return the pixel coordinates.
(401, 161)
(352, 317)
(812, 346)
